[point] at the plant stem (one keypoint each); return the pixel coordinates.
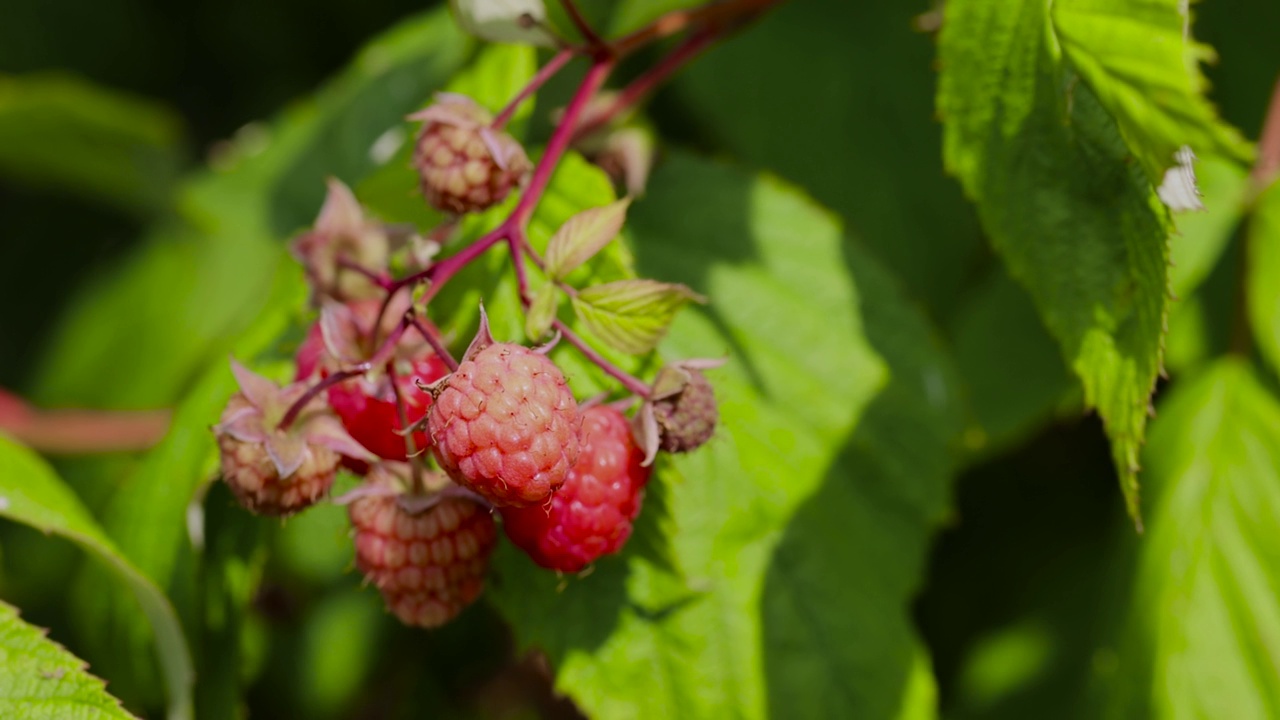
(376, 278)
(434, 341)
(717, 15)
(545, 73)
(311, 393)
(584, 28)
(75, 432)
(556, 146)
(628, 381)
(411, 447)
(645, 84)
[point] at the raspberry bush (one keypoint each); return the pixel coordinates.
(652, 358)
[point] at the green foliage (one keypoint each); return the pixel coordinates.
(33, 495)
(39, 680)
(1139, 60)
(65, 133)
(1076, 224)
(1205, 607)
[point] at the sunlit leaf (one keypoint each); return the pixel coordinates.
(584, 235)
(631, 315)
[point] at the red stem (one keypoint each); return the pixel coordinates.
(434, 341)
(311, 393)
(547, 72)
(645, 84)
(376, 278)
(579, 21)
(716, 15)
(1268, 164)
(628, 381)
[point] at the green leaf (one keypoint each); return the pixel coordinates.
(30, 493)
(631, 315)
(151, 512)
(153, 323)
(1076, 223)
(1206, 607)
(584, 235)
(63, 132)
(39, 680)
(784, 94)
(1138, 58)
(837, 410)
(1263, 278)
(546, 302)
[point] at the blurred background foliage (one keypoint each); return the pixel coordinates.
(1027, 602)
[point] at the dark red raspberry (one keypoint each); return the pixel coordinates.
(505, 425)
(465, 165)
(591, 514)
(429, 565)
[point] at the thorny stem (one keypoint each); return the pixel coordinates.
(545, 73)
(311, 393)
(645, 84)
(579, 21)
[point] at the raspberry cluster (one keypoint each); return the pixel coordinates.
(447, 449)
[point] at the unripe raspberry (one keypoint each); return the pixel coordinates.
(505, 425)
(342, 232)
(591, 514)
(687, 415)
(428, 564)
(465, 165)
(273, 470)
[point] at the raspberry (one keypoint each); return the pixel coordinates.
(273, 470)
(428, 565)
(687, 416)
(342, 231)
(591, 514)
(367, 405)
(465, 165)
(505, 425)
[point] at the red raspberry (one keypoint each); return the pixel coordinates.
(465, 165)
(367, 404)
(428, 565)
(505, 424)
(591, 514)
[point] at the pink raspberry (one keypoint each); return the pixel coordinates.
(505, 425)
(591, 514)
(429, 565)
(465, 165)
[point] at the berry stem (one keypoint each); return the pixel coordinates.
(434, 341)
(580, 21)
(545, 73)
(376, 278)
(557, 145)
(411, 447)
(639, 88)
(1267, 167)
(630, 382)
(718, 16)
(324, 384)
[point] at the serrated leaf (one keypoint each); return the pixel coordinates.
(584, 235)
(631, 315)
(1140, 61)
(542, 312)
(1075, 222)
(40, 680)
(63, 132)
(505, 21)
(764, 616)
(1263, 274)
(1206, 606)
(32, 494)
